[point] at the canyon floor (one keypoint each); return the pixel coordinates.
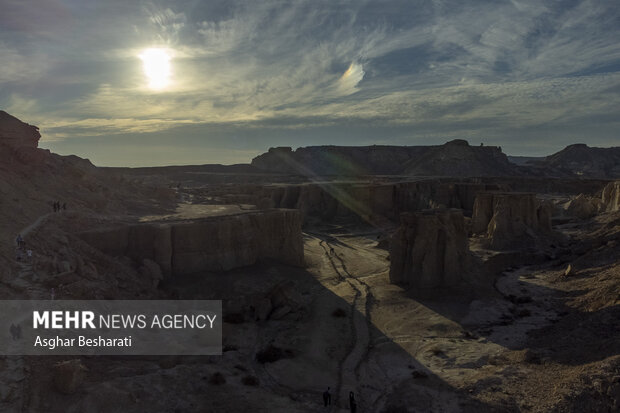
(538, 341)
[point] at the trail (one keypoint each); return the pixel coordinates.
(14, 389)
(360, 318)
(36, 224)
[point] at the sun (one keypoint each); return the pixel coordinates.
(156, 63)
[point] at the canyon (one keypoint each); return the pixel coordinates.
(440, 278)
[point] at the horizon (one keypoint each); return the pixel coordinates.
(176, 83)
(249, 162)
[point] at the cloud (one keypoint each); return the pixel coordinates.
(350, 79)
(17, 67)
(441, 67)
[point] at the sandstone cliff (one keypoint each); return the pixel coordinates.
(430, 250)
(208, 244)
(611, 197)
(372, 202)
(511, 219)
(583, 206)
(458, 158)
(455, 158)
(338, 160)
(15, 133)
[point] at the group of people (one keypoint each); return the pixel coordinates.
(327, 400)
(21, 249)
(57, 206)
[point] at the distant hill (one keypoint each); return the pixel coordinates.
(455, 158)
(339, 160)
(582, 160)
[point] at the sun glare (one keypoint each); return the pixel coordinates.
(156, 63)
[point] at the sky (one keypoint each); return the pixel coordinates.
(139, 83)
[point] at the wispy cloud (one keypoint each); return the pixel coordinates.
(444, 67)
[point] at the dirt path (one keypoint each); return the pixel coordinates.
(35, 224)
(360, 318)
(13, 378)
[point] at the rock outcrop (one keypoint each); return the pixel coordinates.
(208, 244)
(430, 250)
(585, 161)
(458, 158)
(16, 134)
(455, 158)
(583, 206)
(338, 160)
(510, 219)
(611, 197)
(69, 375)
(373, 203)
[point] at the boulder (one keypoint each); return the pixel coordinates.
(583, 207)
(285, 295)
(152, 271)
(69, 375)
(263, 309)
(429, 250)
(280, 312)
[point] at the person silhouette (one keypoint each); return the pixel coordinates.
(327, 397)
(352, 403)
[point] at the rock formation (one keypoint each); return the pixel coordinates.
(510, 219)
(583, 207)
(611, 197)
(338, 160)
(15, 133)
(584, 161)
(429, 250)
(208, 244)
(455, 158)
(69, 375)
(372, 202)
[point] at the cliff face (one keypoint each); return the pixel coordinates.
(15, 133)
(611, 197)
(372, 202)
(455, 158)
(210, 244)
(510, 219)
(338, 160)
(429, 250)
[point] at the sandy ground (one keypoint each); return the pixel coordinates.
(396, 351)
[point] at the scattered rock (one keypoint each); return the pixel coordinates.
(69, 375)
(280, 312)
(263, 309)
(417, 374)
